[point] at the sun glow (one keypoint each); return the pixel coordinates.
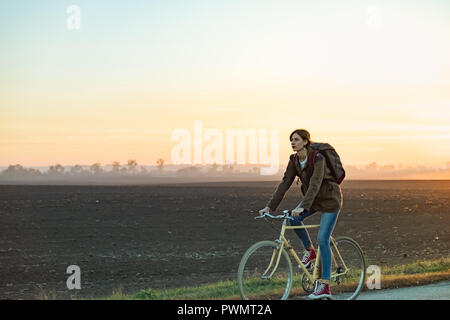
(373, 82)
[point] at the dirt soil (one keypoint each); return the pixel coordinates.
(161, 236)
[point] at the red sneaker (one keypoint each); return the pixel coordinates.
(308, 257)
(321, 291)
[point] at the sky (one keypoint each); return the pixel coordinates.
(372, 78)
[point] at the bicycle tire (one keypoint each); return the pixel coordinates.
(362, 262)
(244, 261)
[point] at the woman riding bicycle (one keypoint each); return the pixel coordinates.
(321, 194)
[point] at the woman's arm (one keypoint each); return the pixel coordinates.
(315, 182)
(288, 178)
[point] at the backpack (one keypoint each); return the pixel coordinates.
(332, 158)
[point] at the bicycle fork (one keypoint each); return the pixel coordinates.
(279, 250)
(276, 256)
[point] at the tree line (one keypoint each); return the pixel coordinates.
(130, 168)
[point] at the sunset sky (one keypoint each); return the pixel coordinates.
(370, 77)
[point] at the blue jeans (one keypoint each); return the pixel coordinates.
(327, 223)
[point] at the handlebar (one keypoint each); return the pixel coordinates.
(286, 215)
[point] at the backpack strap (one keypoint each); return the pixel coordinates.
(310, 163)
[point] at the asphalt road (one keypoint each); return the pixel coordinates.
(435, 291)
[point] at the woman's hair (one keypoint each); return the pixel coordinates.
(304, 134)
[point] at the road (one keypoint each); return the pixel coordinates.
(435, 291)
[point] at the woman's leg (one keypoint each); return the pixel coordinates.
(302, 233)
(327, 224)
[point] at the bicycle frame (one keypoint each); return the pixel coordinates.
(284, 243)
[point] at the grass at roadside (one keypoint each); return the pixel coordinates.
(417, 273)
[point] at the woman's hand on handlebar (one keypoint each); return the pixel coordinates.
(296, 212)
(262, 211)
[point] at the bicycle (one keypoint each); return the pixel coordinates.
(266, 272)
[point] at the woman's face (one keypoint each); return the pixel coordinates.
(297, 142)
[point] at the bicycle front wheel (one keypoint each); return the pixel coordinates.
(265, 272)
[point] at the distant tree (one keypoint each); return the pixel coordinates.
(18, 171)
(56, 170)
(13, 171)
(115, 167)
(96, 168)
(131, 166)
(160, 163)
(76, 169)
(371, 166)
(33, 172)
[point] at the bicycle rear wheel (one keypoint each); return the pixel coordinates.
(264, 274)
(346, 285)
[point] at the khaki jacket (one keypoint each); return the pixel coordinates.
(320, 191)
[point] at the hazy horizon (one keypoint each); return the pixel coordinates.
(133, 171)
